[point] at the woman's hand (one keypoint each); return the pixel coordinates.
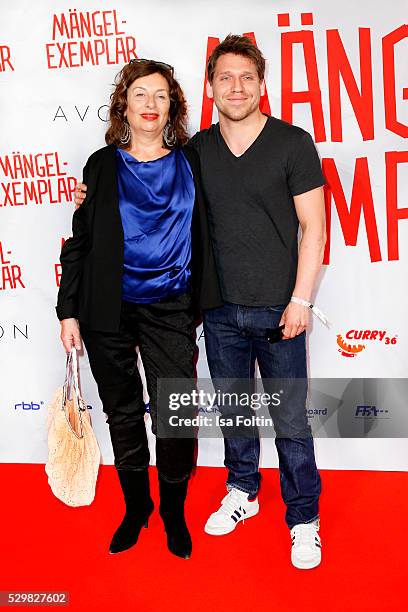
(70, 335)
(80, 194)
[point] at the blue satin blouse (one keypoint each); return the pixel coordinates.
(156, 200)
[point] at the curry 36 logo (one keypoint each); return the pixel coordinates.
(348, 347)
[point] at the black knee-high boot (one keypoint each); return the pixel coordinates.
(172, 498)
(139, 506)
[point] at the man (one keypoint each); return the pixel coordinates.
(262, 178)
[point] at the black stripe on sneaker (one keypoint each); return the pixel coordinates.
(237, 513)
(234, 518)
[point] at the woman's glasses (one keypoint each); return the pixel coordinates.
(139, 60)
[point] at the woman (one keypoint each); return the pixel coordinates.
(138, 267)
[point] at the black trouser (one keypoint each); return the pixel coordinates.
(164, 333)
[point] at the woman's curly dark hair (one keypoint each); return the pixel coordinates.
(118, 101)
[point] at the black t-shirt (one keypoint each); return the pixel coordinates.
(252, 216)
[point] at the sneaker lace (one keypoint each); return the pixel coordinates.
(232, 502)
(305, 534)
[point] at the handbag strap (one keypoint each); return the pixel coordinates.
(71, 375)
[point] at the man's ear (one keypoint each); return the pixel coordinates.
(209, 90)
(263, 87)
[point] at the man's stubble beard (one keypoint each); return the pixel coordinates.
(239, 115)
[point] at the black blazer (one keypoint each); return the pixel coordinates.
(92, 260)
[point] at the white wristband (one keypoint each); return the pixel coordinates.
(312, 307)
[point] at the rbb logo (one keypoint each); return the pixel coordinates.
(33, 406)
(369, 411)
(28, 406)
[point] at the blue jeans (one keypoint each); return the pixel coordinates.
(234, 339)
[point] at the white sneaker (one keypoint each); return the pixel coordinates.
(235, 507)
(306, 546)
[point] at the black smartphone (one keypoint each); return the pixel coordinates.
(275, 334)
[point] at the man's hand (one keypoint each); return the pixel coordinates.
(296, 319)
(79, 195)
(70, 335)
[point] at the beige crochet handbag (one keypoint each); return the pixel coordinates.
(73, 451)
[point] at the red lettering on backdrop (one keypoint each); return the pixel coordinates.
(3, 260)
(34, 178)
(362, 101)
(58, 274)
(361, 200)
(312, 95)
(208, 103)
(394, 214)
(10, 275)
(390, 103)
(85, 24)
(93, 38)
(5, 56)
(58, 267)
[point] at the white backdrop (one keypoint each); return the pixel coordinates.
(53, 114)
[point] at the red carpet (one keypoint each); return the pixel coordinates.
(48, 546)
